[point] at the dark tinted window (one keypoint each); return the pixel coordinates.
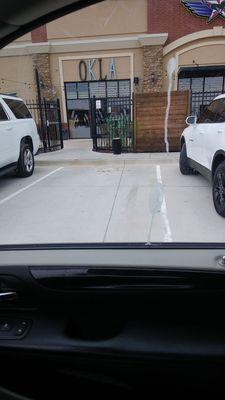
(3, 116)
(18, 108)
(214, 113)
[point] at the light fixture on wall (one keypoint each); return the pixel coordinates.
(136, 80)
(153, 78)
(196, 64)
(42, 83)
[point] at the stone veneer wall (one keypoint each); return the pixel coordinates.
(42, 63)
(153, 66)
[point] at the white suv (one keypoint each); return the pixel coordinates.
(19, 139)
(203, 149)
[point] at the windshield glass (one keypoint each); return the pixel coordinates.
(95, 144)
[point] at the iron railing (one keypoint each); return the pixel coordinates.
(47, 116)
(112, 118)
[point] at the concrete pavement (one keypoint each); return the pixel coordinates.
(70, 199)
(80, 152)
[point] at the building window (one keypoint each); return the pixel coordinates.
(99, 89)
(184, 84)
(82, 90)
(202, 79)
(205, 83)
(71, 91)
(112, 89)
(214, 83)
(197, 84)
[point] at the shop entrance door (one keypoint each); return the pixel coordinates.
(79, 120)
(78, 96)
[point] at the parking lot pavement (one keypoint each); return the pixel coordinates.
(107, 202)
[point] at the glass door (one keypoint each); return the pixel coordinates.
(78, 110)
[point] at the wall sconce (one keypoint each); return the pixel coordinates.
(42, 84)
(136, 80)
(153, 78)
(195, 63)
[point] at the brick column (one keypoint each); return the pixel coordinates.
(152, 69)
(39, 35)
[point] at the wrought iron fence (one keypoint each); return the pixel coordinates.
(47, 116)
(199, 100)
(112, 118)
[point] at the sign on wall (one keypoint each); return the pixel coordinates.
(87, 73)
(209, 9)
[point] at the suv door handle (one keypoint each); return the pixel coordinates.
(9, 128)
(6, 296)
(220, 131)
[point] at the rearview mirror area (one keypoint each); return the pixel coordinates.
(191, 120)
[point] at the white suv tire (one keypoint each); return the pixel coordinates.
(219, 189)
(25, 166)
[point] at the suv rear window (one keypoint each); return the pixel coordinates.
(214, 113)
(18, 108)
(3, 116)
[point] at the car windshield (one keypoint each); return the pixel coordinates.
(95, 141)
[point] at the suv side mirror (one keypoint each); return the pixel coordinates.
(191, 120)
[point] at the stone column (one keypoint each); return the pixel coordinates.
(152, 69)
(42, 63)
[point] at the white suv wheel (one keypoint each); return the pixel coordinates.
(28, 160)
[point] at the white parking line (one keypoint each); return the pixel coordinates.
(114, 202)
(29, 186)
(165, 220)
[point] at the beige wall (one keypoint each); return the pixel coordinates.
(14, 73)
(24, 38)
(112, 17)
(210, 51)
(204, 55)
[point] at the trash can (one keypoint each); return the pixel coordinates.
(116, 146)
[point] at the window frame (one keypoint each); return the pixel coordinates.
(101, 80)
(5, 99)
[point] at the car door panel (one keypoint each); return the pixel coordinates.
(214, 141)
(198, 145)
(6, 137)
(204, 144)
(19, 130)
(194, 138)
(5, 133)
(211, 132)
(116, 326)
(19, 127)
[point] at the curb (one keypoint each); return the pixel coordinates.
(114, 162)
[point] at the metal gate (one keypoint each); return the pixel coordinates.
(112, 118)
(47, 116)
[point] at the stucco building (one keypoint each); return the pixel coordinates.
(113, 49)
